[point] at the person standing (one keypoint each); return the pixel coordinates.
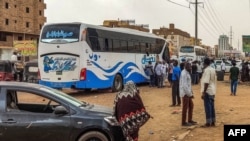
(176, 101)
(150, 71)
(14, 67)
(213, 65)
(199, 70)
(158, 71)
(194, 73)
(170, 72)
(233, 76)
(130, 111)
(155, 75)
(182, 64)
(186, 94)
(223, 66)
(14, 56)
(208, 90)
(164, 73)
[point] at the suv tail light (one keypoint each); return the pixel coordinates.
(83, 74)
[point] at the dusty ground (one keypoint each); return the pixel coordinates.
(166, 125)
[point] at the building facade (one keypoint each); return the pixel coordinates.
(223, 45)
(20, 20)
(126, 24)
(176, 36)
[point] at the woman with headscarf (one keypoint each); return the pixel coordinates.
(130, 111)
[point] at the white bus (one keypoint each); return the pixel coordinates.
(192, 52)
(84, 56)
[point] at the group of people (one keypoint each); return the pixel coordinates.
(181, 77)
(157, 73)
(245, 74)
(182, 81)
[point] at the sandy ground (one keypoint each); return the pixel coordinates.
(166, 122)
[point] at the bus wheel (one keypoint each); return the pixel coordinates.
(87, 90)
(117, 84)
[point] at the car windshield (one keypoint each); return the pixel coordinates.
(64, 96)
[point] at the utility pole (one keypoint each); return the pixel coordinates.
(238, 44)
(230, 40)
(231, 36)
(196, 20)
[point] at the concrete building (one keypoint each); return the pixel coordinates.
(223, 45)
(213, 51)
(192, 41)
(126, 24)
(177, 36)
(20, 20)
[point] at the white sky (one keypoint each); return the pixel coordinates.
(215, 16)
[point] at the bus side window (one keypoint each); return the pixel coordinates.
(106, 45)
(137, 47)
(124, 46)
(102, 44)
(153, 48)
(116, 45)
(94, 43)
(143, 47)
(131, 47)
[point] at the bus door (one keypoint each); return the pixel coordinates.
(140, 62)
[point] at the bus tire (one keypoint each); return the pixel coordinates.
(117, 84)
(87, 90)
(93, 135)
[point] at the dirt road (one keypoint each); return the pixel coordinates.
(166, 124)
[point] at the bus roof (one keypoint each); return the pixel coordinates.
(193, 46)
(115, 29)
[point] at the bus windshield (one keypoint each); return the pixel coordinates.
(187, 49)
(60, 33)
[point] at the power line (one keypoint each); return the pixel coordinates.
(210, 20)
(178, 4)
(196, 17)
(205, 27)
(217, 20)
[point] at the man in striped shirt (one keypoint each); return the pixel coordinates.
(186, 94)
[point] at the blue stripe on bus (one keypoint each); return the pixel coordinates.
(129, 71)
(107, 70)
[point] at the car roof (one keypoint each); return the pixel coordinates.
(32, 62)
(19, 84)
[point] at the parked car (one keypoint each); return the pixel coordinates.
(218, 65)
(6, 70)
(30, 72)
(33, 112)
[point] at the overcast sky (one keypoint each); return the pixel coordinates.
(215, 17)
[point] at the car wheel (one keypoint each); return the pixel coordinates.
(117, 84)
(93, 136)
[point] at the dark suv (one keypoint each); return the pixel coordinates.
(32, 112)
